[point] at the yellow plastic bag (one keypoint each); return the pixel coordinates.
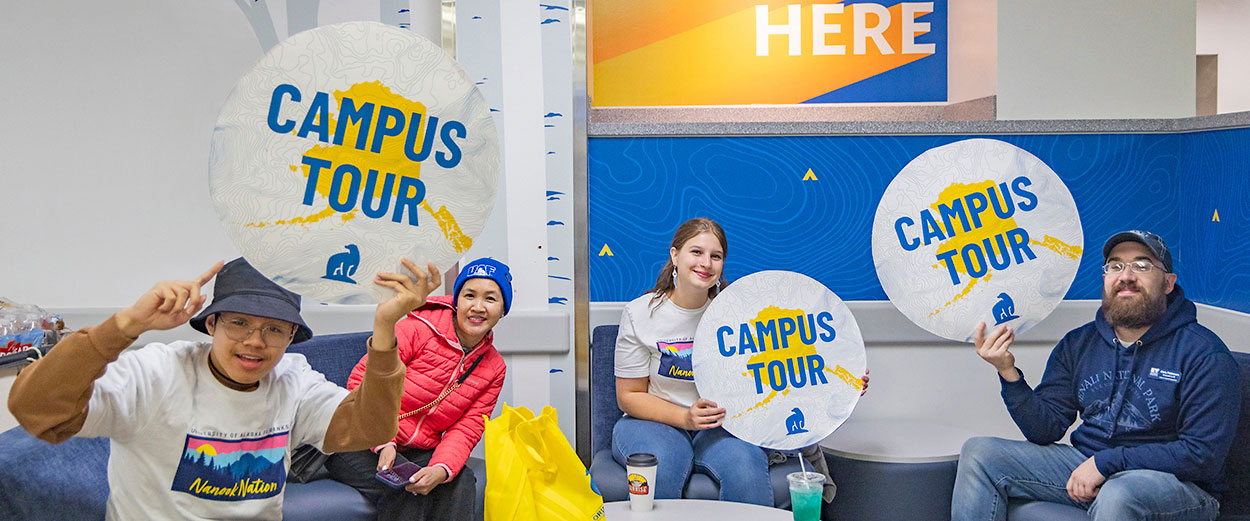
(532, 473)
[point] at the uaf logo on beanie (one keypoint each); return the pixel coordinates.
(486, 268)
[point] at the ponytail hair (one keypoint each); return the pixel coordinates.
(664, 284)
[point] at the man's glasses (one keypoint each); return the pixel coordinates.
(240, 330)
(1138, 266)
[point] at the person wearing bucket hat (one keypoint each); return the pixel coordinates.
(242, 295)
(178, 413)
(454, 376)
(1157, 394)
(242, 289)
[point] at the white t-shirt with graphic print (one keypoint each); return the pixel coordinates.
(184, 446)
(656, 342)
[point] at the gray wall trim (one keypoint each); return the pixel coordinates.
(656, 126)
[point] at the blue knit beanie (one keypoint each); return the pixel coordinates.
(486, 268)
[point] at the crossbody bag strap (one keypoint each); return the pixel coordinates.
(450, 389)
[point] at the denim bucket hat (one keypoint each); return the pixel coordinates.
(242, 289)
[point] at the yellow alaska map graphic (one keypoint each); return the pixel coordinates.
(991, 226)
(797, 351)
(390, 159)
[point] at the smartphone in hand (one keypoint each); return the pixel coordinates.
(397, 476)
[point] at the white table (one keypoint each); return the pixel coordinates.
(691, 509)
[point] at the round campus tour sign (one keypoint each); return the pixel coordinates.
(346, 148)
(783, 355)
(976, 230)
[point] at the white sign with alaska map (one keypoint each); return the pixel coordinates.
(976, 230)
(347, 147)
(783, 355)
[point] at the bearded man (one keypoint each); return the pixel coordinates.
(1157, 393)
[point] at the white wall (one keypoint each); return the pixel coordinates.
(1075, 59)
(108, 131)
(524, 69)
(973, 38)
(107, 136)
(560, 255)
(1222, 30)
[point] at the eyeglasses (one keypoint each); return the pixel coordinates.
(240, 330)
(1138, 266)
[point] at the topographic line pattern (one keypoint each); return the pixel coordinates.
(642, 188)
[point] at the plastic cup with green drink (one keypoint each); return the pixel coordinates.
(806, 489)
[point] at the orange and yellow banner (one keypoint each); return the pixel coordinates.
(736, 52)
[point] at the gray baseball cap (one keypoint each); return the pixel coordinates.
(1152, 242)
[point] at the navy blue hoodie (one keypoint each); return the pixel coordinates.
(1169, 402)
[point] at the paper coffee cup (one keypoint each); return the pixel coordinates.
(640, 472)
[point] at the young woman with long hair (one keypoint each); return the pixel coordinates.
(665, 415)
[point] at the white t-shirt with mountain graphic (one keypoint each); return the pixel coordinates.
(656, 342)
(184, 446)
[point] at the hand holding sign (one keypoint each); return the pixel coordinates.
(704, 414)
(976, 230)
(996, 349)
(409, 295)
(779, 352)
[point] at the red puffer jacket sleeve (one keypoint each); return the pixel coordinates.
(358, 373)
(406, 339)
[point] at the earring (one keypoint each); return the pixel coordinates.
(718, 285)
(674, 275)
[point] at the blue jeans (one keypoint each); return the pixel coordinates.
(740, 468)
(991, 470)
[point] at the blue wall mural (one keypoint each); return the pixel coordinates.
(1215, 217)
(777, 215)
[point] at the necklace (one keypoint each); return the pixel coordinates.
(227, 381)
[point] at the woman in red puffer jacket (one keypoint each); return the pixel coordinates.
(454, 375)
